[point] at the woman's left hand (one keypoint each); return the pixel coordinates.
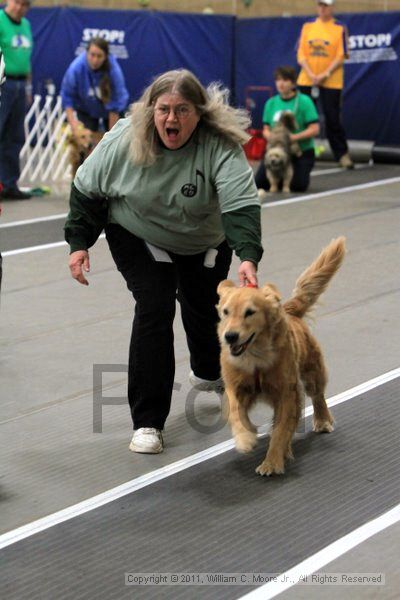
(247, 274)
(320, 78)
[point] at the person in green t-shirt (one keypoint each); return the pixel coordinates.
(16, 45)
(2, 80)
(173, 188)
(289, 99)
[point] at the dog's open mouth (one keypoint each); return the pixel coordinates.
(238, 349)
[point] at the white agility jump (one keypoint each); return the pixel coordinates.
(45, 154)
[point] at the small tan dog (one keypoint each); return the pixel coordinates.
(81, 144)
(267, 351)
(279, 152)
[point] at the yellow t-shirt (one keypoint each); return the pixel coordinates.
(320, 44)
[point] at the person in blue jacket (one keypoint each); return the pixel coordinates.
(93, 89)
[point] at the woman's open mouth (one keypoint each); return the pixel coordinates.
(172, 134)
(238, 349)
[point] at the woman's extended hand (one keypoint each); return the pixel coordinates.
(78, 263)
(247, 273)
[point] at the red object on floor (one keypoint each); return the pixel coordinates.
(254, 149)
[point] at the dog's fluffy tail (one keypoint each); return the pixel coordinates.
(314, 280)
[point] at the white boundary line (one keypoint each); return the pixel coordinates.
(31, 221)
(36, 248)
(325, 556)
(319, 172)
(16, 535)
(33, 249)
(331, 170)
(351, 188)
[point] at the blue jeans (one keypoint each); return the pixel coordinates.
(12, 135)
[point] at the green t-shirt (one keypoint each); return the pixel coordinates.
(16, 44)
(303, 108)
(176, 203)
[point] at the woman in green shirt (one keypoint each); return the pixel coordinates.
(289, 99)
(173, 188)
(16, 45)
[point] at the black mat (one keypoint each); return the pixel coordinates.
(32, 234)
(341, 179)
(219, 516)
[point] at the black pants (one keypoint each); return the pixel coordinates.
(330, 101)
(92, 123)
(154, 286)
(302, 167)
(12, 135)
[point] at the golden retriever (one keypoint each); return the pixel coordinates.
(268, 351)
(278, 156)
(81, 145)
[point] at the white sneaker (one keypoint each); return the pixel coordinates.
(147, 440)
(206, 385)
(346, 162)
(262, 194)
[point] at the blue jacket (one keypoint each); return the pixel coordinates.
(80, 88)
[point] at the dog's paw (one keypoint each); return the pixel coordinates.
(289, 453)
(286, 189)
(245, 442)
(269, 467)
(273, 189)
(323, 426)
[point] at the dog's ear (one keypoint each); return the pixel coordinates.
(225, 286)
(272, 294)
(273, 309)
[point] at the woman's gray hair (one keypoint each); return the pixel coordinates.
(211, 105)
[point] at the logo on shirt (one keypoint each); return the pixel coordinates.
(190, 189)
(318, 47)
(20, 41)
(280, 113)
(94, 92)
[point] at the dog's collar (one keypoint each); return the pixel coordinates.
(252, 285)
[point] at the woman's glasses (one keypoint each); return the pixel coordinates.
(180, 112)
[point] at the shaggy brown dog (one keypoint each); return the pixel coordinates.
(81, 145)
(278, 163)
(268, 351)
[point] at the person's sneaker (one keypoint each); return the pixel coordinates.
(147, 440)
(14, 194)
(262, 194)
(206, 385)
(346, 162)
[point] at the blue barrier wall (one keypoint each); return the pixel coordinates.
(238, 52)
(146, 43)
(371, 109)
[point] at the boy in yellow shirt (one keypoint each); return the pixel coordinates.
(322, 50)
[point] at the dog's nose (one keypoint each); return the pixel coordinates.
(231, 337)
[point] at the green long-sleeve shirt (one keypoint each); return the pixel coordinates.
(188, 201)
